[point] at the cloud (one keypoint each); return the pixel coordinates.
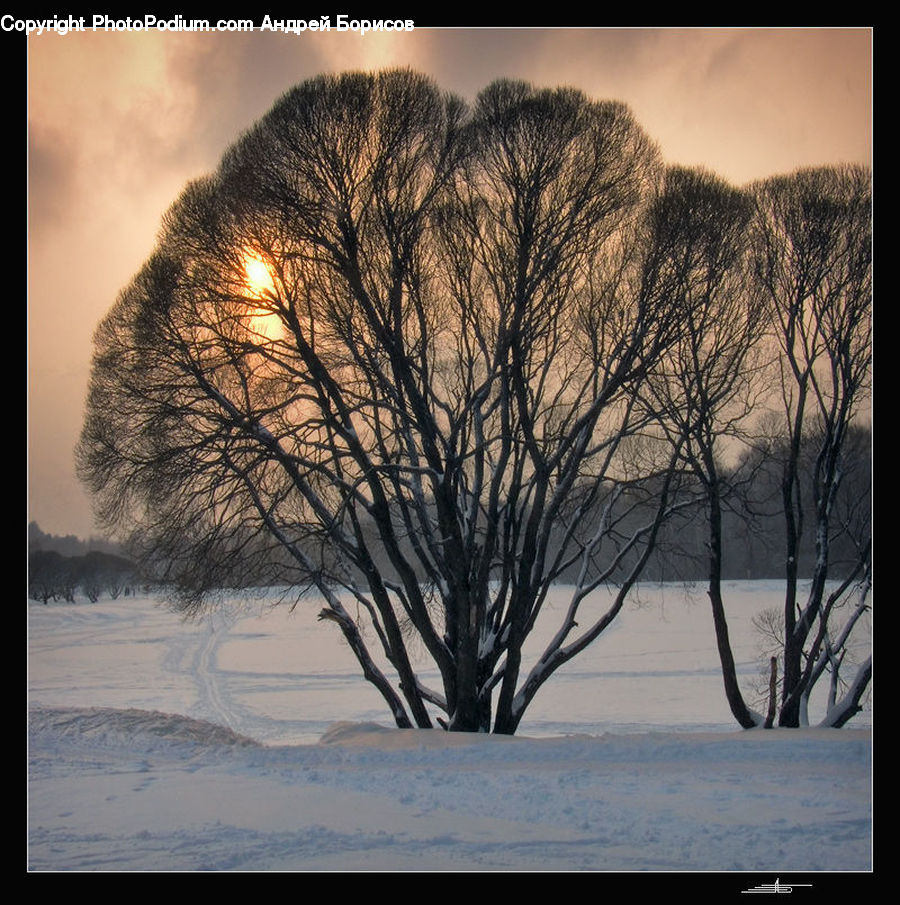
(51, 178)
(235, 79)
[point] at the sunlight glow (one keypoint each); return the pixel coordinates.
(257, 276)
(260, 284)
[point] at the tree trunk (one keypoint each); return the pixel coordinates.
(739, 709)
(773, 687)
(849, 705)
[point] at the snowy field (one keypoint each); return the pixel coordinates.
(248, 741)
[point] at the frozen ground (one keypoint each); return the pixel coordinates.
(247, 741)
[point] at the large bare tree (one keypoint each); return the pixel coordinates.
(773, 290)
(389, 352)
(812, 238)
(706, 387)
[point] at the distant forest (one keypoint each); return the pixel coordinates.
(69, 544)
(753, 520)
(61, 568)
(65, 568)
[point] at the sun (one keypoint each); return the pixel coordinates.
(259, 282)
(257, 276)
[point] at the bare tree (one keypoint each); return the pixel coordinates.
(388, 351)
(51, 576)
(812, 236)
(704, 389)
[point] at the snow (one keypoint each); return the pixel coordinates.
(247, 741)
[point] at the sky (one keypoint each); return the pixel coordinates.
(118, 123)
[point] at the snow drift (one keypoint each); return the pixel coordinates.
(179, 756)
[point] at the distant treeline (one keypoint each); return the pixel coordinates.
(754, 539)
(69, 544)
(62, 568)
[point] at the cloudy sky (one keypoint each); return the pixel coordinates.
(118, 123)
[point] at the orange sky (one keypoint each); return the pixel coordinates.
(119, 122)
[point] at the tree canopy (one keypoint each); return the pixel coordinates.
(398, 350)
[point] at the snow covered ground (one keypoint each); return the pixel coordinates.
(248, 741)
